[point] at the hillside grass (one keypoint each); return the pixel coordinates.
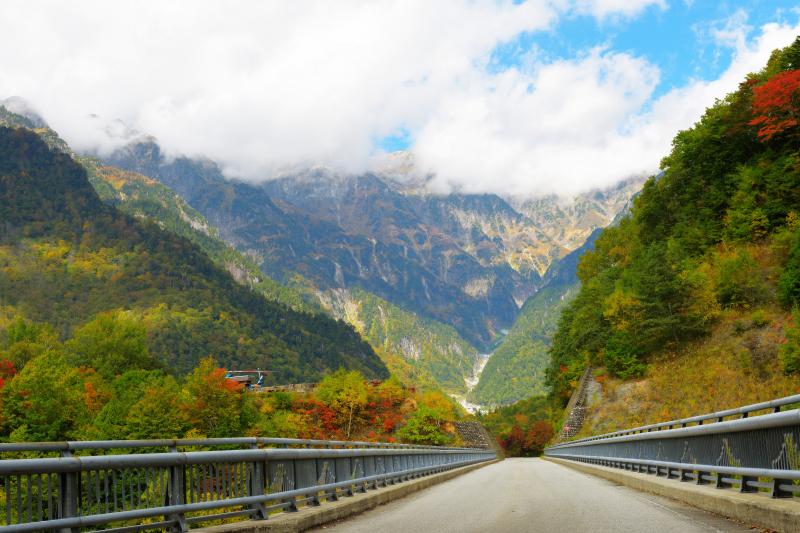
(736, 365)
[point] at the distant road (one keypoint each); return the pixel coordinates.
(532, 495)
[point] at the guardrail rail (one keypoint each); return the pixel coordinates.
(172, 484)
(728, 448)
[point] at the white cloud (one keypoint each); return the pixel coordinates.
(260, 86)
(586, 122)
(253, 84)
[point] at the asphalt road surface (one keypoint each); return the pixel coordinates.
(533, 495)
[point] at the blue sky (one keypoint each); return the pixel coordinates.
(678, 39)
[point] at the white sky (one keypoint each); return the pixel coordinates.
(263, 85)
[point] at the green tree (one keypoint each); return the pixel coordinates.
(621, 357)
(111, 343)
(345, 392)
(740, 282)
(425, 426)
(49, 399)
(789, 282)
(157, 414)
(144, 404)
(26, 340)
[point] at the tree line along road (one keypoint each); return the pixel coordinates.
(533, 495)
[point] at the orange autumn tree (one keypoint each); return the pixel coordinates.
(346, 393)
(213, 404)
(776, 105)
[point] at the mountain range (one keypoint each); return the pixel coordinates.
(67, 257)
(429, 280)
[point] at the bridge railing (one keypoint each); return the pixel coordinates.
(226, 443)
(753, 453)
(175, 489)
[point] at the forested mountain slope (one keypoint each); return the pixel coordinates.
(705, 271)
(147, 199)
(516, 369)
(417, 350)
(66, 256)
(411, 346)
(285, 240)
(464, 260)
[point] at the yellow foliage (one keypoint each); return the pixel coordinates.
(703, 302)
(792, 221)
(622, 309)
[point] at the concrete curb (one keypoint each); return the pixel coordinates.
(757, 509)
(308, 517)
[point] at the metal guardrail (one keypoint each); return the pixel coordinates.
(752, 452)
(148, 445)
(174, 489)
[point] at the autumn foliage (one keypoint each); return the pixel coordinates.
(776, 105)
(344, 406)
(7, 371)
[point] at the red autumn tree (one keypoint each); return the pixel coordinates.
(776, 105)
(212, 402)
(7, 371)
(538, 435)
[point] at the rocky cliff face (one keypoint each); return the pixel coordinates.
(469, 261)
(569, 222)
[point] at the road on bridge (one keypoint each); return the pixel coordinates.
(533, 495)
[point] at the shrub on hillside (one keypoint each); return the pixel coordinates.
(425, 426)
(621, 358)
(789, 282)
(789, 352)
(740, 282)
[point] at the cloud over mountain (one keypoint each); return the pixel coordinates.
(260, 86)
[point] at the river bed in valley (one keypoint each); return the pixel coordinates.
(471, 382)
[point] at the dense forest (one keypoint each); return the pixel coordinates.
(96, 386)
(67, 259)
(714, 238)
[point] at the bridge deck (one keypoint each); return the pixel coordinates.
(532, 495)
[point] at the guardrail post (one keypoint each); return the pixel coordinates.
(291, 501)
(176, 494)
(745, 487)
(68, 494)
(722, 484)
(255, 487)
(778, 492)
